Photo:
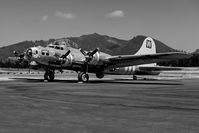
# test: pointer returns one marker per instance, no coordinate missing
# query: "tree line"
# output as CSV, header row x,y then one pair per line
x,y
191,62
13,64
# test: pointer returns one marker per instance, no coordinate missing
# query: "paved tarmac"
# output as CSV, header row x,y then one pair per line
x,y
31,105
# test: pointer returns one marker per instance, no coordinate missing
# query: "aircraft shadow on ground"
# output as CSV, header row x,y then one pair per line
x,y
111,81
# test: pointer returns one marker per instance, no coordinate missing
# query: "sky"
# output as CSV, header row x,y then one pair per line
x,y
174,22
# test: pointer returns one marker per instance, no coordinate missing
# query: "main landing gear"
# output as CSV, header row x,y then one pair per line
x,y
83,77
49,75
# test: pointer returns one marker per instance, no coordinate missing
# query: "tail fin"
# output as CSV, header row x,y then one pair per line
x,y
148,47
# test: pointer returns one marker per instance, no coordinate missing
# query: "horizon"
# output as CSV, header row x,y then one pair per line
x,y
175,22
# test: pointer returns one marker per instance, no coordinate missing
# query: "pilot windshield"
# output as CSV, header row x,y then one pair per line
x,y
61,43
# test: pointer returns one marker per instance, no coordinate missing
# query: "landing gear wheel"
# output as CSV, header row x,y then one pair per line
x,y
49,75
84,77
46,76
134,77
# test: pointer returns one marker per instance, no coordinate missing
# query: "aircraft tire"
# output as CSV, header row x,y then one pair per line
x,y
84,77
49,75
46,76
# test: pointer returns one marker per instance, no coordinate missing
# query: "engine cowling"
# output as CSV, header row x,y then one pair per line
x,y
68,60
95,59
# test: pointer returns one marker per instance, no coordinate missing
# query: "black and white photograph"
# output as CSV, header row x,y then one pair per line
x,y
99,66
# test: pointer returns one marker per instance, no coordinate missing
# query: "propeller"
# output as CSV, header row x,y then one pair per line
x,y
20,56
93,52
15,53
89,55
63,57
66,54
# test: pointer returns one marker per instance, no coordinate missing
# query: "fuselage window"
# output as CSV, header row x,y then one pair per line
x,y
57,47
62,48
51,46
36,52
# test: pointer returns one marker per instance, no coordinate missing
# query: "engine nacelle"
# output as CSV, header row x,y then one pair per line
x,y
68,61
95,59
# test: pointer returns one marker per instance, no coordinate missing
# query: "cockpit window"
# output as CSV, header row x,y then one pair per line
x,y
47,54
36,52
42,53
56,43
63,42
62,48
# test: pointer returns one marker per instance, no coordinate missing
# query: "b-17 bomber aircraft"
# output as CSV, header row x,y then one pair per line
x,y
65,54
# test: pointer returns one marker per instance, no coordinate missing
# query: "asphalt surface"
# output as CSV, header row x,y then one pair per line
x,y
31,105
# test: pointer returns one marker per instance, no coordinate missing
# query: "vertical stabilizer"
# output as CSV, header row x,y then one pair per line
x,y
148,47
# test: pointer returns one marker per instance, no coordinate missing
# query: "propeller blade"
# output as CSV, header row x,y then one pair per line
x,y
83,52
66,54
93,52
15,53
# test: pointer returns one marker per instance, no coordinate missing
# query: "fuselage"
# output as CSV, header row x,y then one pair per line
x,y
50,56
65,54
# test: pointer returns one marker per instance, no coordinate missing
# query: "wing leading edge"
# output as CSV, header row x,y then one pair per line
x,y
131,60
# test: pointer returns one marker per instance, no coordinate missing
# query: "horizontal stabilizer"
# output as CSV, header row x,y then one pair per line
x,y
131,60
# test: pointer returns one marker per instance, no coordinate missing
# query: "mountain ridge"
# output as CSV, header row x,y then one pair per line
x,y
107,44
196,52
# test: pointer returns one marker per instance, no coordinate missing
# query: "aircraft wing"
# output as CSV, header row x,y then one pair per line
x,y
131,60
